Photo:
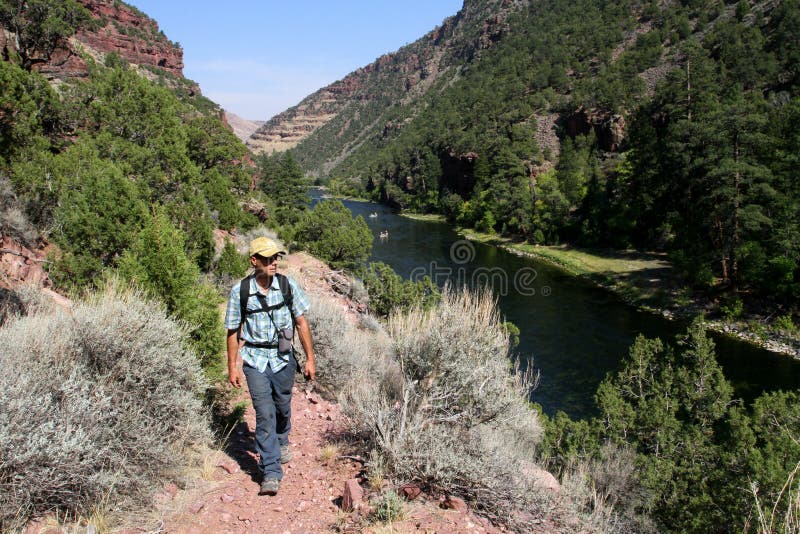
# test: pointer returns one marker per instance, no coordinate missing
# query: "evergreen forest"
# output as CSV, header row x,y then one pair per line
x,y
673,133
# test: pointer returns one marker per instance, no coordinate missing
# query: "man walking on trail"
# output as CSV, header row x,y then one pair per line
x,y
262,310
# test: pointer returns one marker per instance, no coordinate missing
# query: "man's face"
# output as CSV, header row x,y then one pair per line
x,y
262,265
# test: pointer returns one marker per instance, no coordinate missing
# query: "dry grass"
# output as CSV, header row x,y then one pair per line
x,y
376,473
329,452
90,413
604,493
343,350
771,520
13,222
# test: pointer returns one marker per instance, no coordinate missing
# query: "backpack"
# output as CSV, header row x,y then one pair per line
x,y
244,296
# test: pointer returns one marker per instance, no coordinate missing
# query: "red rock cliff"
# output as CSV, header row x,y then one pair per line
x,y
124,30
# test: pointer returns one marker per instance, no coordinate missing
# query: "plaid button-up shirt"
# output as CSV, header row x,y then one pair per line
x,y
259,328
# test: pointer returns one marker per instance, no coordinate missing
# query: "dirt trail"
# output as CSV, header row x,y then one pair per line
x,y
222,495
307,500
310,496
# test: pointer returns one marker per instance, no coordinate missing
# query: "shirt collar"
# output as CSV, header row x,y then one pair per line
x,y
274,285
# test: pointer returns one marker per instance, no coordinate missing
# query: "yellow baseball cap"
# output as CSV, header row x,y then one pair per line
x,y
264,246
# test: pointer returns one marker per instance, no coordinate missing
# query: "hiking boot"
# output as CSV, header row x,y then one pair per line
x,y
269,486
286,454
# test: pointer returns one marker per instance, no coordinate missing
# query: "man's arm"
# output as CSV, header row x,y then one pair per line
x,y
234,360
303,330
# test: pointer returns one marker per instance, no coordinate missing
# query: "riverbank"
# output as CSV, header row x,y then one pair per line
x,y
429,217
646,280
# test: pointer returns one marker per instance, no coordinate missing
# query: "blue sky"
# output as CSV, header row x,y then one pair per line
x,y
257,58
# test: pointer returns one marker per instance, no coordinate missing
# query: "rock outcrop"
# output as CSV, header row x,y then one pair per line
x,y
608,127
122,29
21,267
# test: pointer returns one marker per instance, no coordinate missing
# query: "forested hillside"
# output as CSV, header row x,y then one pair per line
x,y
338,117
120,168
653,125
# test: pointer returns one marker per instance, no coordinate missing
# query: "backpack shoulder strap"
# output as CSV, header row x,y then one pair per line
x,y
286,291
244,295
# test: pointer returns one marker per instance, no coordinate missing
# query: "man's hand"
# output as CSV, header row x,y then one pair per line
x,y
234,360
310,371
235,377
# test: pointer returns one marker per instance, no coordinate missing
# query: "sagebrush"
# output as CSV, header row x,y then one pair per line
x,y
97,406
344,351
450,412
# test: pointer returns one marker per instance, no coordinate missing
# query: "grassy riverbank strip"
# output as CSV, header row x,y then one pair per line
x,y
428,217
646,280
642,279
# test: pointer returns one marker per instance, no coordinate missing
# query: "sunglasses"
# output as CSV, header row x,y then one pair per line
x,y
268,260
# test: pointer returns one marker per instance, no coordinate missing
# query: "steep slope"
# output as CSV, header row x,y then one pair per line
x,y
349,107
620,124
242,128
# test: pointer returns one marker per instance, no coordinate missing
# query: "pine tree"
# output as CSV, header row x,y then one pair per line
x,y
157,262
330,232
735,182
41,26
283,182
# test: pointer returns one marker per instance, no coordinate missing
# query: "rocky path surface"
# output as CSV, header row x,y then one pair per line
x,y
309,496
311,493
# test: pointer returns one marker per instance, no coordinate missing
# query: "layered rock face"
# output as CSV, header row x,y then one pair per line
x,y
288,128
399,76
124,30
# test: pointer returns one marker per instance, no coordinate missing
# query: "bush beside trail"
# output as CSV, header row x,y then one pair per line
x,y
436,401
97,407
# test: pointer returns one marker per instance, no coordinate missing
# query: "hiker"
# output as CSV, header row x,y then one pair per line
x,y
262,309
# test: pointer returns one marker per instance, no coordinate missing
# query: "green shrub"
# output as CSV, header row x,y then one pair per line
x,y
513,332
106,407
231,263
785,323
388,507
157,262
190,214
388,291
283,182
217,189
731,307
97,215
32,105
330,232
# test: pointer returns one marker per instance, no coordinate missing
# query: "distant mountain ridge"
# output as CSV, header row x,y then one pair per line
x,y
351,104
375,102
242,128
